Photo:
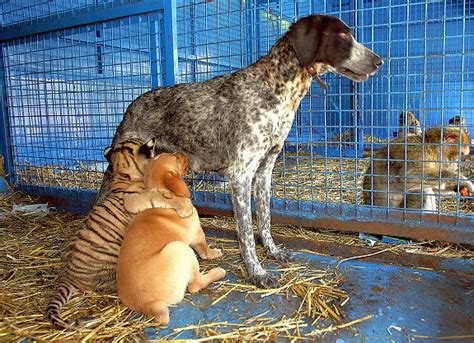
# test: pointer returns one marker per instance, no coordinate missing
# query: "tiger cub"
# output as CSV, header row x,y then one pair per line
x,y
92,255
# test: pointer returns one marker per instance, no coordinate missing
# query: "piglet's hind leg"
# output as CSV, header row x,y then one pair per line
x,y
201,281
159,310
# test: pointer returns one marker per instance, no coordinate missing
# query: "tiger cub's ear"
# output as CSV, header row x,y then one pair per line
x,y
148,149
108,153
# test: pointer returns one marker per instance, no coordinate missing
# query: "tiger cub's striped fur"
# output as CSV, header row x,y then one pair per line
x,y
92,256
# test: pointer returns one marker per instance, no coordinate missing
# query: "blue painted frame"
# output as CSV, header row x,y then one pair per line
x,y
89,15
170,43
5,146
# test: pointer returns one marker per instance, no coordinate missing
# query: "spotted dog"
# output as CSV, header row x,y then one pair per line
x,y
236,124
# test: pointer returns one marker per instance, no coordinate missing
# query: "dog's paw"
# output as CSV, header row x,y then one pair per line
x,y
282,254
264,281
220,272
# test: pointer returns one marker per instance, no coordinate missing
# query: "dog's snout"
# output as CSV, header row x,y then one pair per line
x,y
378,62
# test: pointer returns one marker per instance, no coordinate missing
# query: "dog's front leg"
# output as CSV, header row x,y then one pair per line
x,y
262,193
240,187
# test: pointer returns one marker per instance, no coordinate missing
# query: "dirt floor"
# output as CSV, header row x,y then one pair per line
x,y
30,259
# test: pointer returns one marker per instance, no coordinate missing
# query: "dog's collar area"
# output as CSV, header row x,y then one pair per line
x,y
314,74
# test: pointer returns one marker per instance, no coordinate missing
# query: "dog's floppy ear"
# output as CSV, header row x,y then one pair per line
x,y
175,184
305,37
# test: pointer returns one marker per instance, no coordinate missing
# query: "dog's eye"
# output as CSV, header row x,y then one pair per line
x,y
344,35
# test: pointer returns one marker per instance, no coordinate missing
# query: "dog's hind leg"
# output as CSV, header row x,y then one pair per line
x,y
262,193
200,246
240,185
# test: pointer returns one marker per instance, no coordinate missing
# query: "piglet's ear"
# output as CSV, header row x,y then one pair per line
x,y
176,185
305,37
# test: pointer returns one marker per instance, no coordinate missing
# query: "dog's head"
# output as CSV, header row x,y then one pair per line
x,y
165,171
328,41
452,140
409,123
457,121
177,163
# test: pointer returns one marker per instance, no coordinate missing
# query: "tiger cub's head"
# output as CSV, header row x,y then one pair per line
x,y
129,159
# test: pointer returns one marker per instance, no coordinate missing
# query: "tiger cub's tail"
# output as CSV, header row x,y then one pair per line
x,y
53,312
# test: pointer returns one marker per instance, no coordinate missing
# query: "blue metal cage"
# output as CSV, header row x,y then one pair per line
x,y
70,68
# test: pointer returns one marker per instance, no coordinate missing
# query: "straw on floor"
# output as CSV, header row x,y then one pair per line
x,y
30,258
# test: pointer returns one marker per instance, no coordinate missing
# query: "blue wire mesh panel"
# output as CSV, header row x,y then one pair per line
x,y
17,11
67,92
428,47
210,39
425,46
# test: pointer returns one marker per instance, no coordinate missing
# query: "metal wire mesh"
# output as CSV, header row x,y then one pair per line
x,y
14,12
67,90
326,154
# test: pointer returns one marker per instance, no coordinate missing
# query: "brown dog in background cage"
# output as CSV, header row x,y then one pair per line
x,y
156,263
410,172
409,125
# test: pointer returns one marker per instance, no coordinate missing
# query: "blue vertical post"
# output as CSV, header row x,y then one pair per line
x,y
153,52
170,43
359,132
249,25
194,60
5,142
358,120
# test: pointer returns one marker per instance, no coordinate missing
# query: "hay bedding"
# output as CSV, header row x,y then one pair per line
x,y
59,176
334,181
441,249
30,259
295,177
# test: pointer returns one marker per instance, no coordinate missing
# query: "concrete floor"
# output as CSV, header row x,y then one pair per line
x,y
405,302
